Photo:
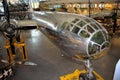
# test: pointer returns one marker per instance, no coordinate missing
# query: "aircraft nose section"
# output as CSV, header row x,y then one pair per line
x,y
99,44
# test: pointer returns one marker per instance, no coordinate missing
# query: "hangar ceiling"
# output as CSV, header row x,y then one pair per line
x,y
79,1
69,1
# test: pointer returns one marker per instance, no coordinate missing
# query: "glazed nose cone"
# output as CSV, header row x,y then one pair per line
x,y
99,44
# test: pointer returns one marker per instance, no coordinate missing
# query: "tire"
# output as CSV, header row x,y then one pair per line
x,y
83,77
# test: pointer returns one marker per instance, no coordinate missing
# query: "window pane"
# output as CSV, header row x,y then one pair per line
x,y
69,27
93,48
106,36
81,23
89,29
84,34
87,20
64,25
93,25
98,25
105,45
98,38
74,21
75,30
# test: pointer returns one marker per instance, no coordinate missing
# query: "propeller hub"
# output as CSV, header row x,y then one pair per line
x,y
9,29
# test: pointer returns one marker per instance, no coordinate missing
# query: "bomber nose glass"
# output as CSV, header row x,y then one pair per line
x,y
99,42
95,35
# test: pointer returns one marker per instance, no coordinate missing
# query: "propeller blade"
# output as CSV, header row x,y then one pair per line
x,y
26,28
6,10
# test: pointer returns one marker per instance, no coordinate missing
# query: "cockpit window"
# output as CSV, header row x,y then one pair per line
x,y
105,45
69,27
87,20
106,35
75,29
93,48
81,23
98,25
65,24
94,26
98,38
84,34
74,21
89,29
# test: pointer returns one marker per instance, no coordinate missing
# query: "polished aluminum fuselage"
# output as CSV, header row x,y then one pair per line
x,y
74,45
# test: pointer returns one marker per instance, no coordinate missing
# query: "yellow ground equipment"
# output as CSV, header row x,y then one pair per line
x,y
76,75
19,46
87,74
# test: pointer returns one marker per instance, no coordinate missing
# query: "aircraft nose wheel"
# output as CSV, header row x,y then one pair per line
x,y
84,76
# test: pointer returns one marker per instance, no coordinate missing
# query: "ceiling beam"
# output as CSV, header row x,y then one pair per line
x,y
77,1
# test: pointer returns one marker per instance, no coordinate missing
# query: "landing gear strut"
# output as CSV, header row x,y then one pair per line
x,y
89,75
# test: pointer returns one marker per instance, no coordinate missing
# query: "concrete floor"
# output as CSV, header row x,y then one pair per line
x,y
51,65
